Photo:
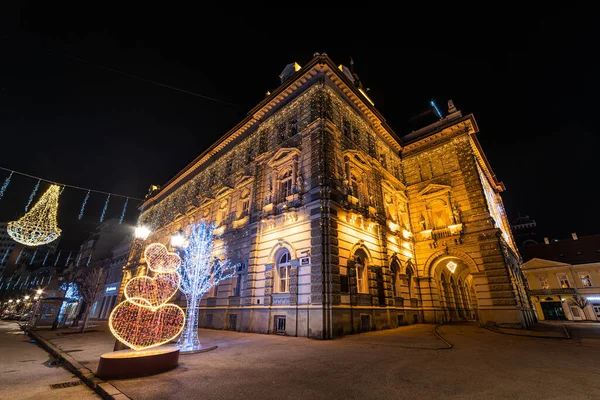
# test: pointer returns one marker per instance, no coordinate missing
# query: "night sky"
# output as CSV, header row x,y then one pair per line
x,y
530,80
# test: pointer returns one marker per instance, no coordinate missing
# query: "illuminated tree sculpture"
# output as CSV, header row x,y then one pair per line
x,y
38,226
204,266
144,319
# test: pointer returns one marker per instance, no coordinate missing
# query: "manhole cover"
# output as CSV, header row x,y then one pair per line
x,y
63,385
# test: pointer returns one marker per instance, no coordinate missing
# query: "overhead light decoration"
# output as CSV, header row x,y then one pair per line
x,y
451,266
145,319
201,270
38,226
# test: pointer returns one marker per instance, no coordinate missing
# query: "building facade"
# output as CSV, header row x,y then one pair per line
x,y
336,225
564,278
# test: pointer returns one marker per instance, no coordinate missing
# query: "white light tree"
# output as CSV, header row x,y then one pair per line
x,y
203,266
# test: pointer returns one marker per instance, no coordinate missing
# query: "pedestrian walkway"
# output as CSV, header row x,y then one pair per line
x,y
27,372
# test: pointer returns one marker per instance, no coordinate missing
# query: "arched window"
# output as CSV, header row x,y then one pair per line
x,y
395,270
285,185
283,272
409,279
361,273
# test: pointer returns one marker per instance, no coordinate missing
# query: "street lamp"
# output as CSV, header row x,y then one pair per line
x,y
10,301
141,232
26,298
177,240
39,292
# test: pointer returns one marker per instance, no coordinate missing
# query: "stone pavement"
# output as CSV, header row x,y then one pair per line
x,y
27,371
409,362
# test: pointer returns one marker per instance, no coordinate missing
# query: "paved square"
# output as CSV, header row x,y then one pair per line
x,y
405,363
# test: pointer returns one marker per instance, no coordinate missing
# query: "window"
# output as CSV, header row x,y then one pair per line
x,y
285,186
293,126
361,272
344,287
355,185
409,274
283,273
279,324
245,207
346,129
394,268
238,285
563,281
544,282
586,280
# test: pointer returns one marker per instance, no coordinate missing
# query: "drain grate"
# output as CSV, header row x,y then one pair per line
x,y
63,385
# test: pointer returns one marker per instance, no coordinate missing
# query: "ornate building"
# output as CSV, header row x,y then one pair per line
x,y
337,225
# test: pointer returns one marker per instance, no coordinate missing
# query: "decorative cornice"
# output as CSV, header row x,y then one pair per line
x,y
319,64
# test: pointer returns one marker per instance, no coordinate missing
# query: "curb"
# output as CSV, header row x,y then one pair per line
x,y
531,336
435,332
104,389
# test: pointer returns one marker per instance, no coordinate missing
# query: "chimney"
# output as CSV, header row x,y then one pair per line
x,y
546,240
574,235
288,71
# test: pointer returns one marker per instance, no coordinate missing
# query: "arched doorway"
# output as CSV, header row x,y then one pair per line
x,y
456,293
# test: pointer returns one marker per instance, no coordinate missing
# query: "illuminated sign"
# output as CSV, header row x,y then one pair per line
x,y
110,289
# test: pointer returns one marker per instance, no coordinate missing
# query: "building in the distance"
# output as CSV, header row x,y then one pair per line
x,y
337,225
524,231
564,278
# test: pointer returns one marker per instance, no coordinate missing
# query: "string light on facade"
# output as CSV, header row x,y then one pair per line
x,y
38,226
85,200
104,209
203,267
145,319
451,265
5,185
46,257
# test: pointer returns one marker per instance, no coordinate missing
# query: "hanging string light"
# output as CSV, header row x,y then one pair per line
x,y
38,226
68,258
19,256
5,255
57,257
89,259
123,212
85,199
45,258
32,195
105,207
5,185
33,257
78,259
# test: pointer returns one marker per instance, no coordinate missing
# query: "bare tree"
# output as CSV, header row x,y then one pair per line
x,y
581,302
90,285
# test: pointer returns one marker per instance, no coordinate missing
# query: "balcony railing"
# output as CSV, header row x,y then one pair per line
x,y
546,292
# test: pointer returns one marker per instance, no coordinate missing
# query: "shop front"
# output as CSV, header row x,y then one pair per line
x,y
107,301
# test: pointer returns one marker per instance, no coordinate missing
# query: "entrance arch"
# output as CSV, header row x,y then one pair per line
x,y
453,275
